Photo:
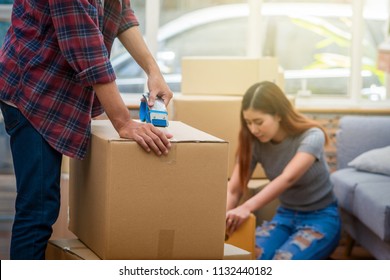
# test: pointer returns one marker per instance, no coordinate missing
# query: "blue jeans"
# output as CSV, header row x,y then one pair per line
x,y
38,172
300,235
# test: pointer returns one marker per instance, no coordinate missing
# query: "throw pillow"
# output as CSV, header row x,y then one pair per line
x,y
375,161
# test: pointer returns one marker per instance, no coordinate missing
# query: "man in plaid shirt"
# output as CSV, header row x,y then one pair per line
x,y
55,75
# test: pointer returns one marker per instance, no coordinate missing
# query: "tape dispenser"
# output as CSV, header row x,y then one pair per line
x,y
156,115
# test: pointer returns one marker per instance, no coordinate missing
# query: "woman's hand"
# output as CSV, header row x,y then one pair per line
x,y
235,217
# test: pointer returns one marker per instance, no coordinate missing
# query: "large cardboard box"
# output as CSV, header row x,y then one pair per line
x,y
226,75
214,114
74,249
128,204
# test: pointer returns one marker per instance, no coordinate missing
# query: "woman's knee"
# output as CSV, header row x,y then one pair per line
x,y
307,243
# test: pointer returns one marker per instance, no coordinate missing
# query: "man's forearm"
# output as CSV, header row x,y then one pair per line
x,y
134,43
112,102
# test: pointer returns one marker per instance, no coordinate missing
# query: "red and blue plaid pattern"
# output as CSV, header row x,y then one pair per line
x,y
53,53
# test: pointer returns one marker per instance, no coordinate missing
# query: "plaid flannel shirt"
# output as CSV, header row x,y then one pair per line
x,y
53,53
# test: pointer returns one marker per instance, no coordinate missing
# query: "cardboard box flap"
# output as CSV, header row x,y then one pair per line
x,y
232,252
181,132
73,248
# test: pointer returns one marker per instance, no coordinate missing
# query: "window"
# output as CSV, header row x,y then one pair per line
x,y
311,39
375,20
5,17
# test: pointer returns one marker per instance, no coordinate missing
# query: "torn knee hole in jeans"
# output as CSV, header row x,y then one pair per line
x,y
305,237
264,229
283,255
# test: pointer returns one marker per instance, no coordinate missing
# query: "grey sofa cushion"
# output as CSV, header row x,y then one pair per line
x,y
375,161
359,134
345,182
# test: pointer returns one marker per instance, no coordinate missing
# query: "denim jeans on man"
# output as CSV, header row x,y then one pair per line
x,y
37,169
300,235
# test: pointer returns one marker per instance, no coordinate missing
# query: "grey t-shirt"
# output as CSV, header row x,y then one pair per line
x,y
313,190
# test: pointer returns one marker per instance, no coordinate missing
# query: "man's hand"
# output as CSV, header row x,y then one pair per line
x,y
158,87
147,136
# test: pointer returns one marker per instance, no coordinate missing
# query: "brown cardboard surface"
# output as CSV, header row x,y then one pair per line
x,y
226,75
65,165
214,114
74,249
128,204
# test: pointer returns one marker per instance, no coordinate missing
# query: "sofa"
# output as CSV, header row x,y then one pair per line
x,y
362,181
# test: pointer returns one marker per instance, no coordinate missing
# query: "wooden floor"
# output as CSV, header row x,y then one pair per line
x,y
7,200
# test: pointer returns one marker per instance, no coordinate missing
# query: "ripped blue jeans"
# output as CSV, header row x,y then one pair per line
x,y
299,235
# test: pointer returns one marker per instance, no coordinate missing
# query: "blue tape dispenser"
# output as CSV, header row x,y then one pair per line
x,y
156,115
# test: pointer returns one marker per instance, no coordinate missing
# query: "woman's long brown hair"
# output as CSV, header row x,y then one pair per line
x,y
269,99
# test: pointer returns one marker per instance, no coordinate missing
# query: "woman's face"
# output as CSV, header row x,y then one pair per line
x,y
264,127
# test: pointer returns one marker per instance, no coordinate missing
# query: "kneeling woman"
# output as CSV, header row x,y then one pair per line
x,y
290,148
